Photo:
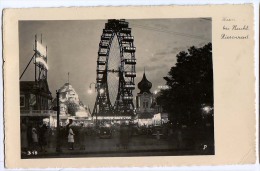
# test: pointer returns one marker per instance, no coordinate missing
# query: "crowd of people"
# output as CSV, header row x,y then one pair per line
x,y
71,133
37,136
34,137
77,134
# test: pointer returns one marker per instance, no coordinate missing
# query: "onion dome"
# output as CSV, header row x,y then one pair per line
x,y
144,85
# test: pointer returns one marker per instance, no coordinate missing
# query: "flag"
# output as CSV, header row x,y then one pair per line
x,y
68,77
41,61
41,50
32,100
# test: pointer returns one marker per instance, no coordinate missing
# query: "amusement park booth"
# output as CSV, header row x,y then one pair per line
x,y
35,98
160,118
145,119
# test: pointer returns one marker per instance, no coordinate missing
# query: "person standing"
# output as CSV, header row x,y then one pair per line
x,y
24,138
179,138
124,136
34,139
66,130
71,138
69,124
43,137
29,136
50,135
82,135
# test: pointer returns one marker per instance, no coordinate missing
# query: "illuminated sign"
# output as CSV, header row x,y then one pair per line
x,y
32,100
41,55
42,62
41,49
114,117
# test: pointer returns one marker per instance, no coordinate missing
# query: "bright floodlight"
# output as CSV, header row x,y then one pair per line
x,y
101,91
207,109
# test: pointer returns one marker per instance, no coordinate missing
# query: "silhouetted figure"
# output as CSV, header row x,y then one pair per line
x,y
124,136
179,138
24,138
68,125
29,136
71,139
66,130
34,139
43,137
82,135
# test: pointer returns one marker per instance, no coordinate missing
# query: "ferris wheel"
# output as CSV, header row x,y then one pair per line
x,y
115,70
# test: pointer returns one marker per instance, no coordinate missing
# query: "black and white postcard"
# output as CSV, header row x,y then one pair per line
x,y
142,86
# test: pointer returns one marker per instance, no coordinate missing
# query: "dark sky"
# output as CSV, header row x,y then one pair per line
x,y
73,47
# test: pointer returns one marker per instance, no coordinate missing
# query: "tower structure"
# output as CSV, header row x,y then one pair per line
x,y
144,98
35,95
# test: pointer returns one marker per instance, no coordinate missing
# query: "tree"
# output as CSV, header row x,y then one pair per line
x,y
190,84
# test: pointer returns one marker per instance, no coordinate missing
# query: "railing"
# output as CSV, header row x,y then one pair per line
x,y
127,98
130,74
130,61
113,117
107,31
126,30
38,112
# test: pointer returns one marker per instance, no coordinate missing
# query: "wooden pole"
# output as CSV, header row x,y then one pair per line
x,y
69,77
35,66
58,149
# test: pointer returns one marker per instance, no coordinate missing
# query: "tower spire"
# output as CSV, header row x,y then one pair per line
x,y
144,85
41,37
69,77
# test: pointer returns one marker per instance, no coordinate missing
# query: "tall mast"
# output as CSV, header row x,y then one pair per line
x,y
47,63
69,77
35,79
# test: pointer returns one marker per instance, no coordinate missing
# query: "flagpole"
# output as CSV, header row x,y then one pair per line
x,y
58,136
69,77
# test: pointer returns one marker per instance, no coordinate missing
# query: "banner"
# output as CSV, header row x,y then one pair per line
x,y
41,49
41,61
32,100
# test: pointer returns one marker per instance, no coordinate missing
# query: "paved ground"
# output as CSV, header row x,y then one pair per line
x,y
140,145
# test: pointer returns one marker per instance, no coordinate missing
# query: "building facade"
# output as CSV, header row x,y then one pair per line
x,y
147,110
35,96
144,102
35,102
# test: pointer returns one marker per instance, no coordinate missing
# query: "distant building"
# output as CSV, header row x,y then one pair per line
x,y
144,98
147,110
70,106
145,103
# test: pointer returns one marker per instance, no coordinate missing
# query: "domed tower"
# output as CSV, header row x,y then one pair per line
x,y
144,98
144,85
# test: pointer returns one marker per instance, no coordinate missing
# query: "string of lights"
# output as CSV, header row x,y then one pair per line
x,y
170,32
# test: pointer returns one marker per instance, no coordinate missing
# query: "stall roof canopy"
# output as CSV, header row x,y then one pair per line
x,y
41,87
26,85
145,115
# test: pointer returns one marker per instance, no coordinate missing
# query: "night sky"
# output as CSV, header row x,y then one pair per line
x,y
73,47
